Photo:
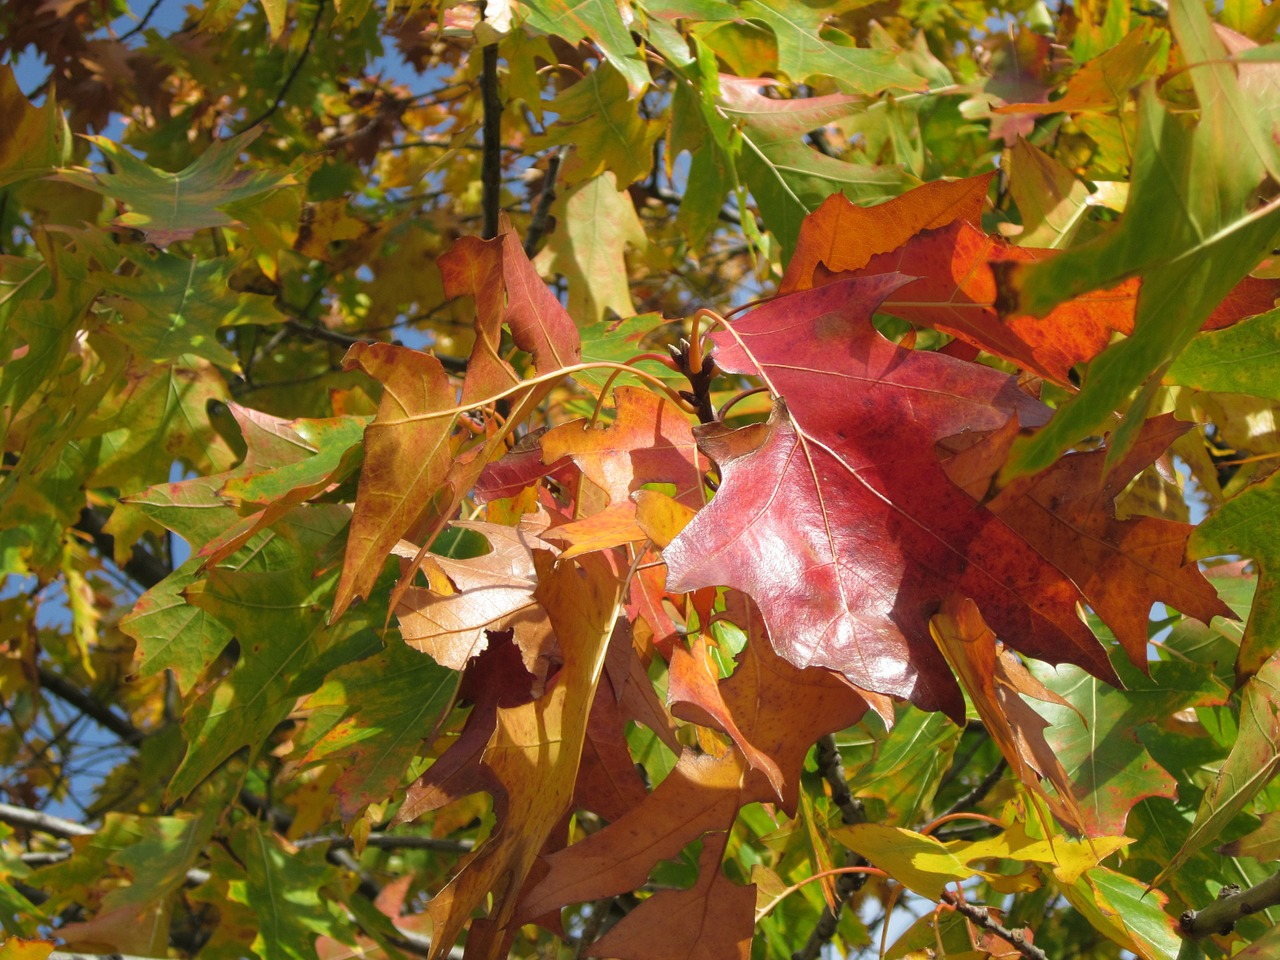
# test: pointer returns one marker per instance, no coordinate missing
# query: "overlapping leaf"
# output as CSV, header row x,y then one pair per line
x,y
837,518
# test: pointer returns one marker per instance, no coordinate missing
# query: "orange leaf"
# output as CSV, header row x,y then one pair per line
x,y
993,680
712,920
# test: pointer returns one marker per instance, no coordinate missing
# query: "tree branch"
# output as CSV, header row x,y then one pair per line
x,y
975,795
491,159
42,822
847,884
293,74
143,567
1220,916
982,917
542,212
100,713
452,364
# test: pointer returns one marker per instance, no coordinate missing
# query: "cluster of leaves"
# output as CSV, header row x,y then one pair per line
x,y
400,551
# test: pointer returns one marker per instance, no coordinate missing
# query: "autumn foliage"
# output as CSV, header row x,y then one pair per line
x,y
640,480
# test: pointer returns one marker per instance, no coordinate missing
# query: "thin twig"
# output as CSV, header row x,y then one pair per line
x,y
974,796
100,713
491,159
142,24
389,841
982,917
542,212
293,74
452,364
832,769
1220,916
143,567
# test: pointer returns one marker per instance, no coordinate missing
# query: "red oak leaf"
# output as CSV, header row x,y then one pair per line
x,y
837,518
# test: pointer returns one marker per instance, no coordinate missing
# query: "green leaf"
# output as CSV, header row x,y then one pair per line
x,y
601,22
595,224
378,712
807,48
1191,230
1252,763
605,129
168,207
1124,910
788,178
172,634
1246,525
283,889
907,763
1095,737
174,306
275,607
1239,359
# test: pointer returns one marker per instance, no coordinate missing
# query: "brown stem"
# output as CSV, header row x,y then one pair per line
x,y
982,917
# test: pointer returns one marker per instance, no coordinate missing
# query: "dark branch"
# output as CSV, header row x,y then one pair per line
x,y
283,92
143,567
974,796
452,364
982,917
542,212
1220,916
491,160
847,884
142,24
100,713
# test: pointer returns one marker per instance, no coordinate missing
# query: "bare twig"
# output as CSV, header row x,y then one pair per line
x,y
283,92
143,567
42,822
542,212
452,364
142,24
100,713
1220,916
851,812
389,841
975,795
491,160
982,917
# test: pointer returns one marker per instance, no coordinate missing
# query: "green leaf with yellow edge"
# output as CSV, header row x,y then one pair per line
x,y
1123,909
168,207
808,47
36,139
283,889
920,863
174,306
907,762
378,711
1238,359
601,22
1246,526
275,606
156,415
617,341
605,129
1253,762
595,224
1191,229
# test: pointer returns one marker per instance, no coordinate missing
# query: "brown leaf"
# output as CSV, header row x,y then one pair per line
x,y
712,920
534,755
